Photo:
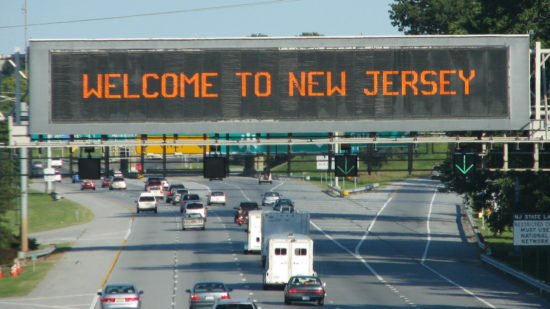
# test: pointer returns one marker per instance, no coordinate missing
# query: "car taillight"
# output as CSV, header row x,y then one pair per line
x,y
128,299
319,292
194,297
107,300
226,296
291,291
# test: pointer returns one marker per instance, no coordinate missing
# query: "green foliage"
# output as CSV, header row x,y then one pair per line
x,y
258,35
473,17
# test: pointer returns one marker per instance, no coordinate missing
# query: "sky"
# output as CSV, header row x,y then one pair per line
x,y
113,19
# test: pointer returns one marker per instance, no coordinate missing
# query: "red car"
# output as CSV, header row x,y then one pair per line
x,y
87,184
106,182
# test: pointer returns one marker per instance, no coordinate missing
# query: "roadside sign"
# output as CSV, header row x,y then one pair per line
x,y
532,229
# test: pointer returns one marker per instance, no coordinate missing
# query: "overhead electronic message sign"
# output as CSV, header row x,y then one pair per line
x,y
280,85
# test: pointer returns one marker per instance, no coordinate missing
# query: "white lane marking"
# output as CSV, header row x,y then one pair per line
x,y
361,259
424,257
94,301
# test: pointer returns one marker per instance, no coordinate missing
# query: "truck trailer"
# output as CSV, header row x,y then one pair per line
x,y
287,255
254,239
274,222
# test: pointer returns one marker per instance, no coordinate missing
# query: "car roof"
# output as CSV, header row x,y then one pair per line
x,y
234,301
146,194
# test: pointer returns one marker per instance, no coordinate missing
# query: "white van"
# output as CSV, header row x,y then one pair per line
x,y
254,243
288,255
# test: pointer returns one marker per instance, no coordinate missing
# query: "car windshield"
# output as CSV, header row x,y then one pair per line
x,y
181,191
271,194
235,306
209,287
305,281
195,206
118,179
146,198
217,193
192,197
120,289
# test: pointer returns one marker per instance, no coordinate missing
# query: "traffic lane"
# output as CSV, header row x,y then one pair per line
x,y
149,256
212,254
466,269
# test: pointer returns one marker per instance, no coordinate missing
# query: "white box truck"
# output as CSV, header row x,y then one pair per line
x,y
274,222
254,239
288,255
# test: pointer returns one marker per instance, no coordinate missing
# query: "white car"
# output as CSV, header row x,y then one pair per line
x,y
146,202
216,197
56,162
157,191
118,183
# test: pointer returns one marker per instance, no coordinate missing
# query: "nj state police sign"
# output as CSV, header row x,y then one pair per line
x,y
279,85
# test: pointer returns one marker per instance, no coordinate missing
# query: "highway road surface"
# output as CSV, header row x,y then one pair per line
x,y
403,246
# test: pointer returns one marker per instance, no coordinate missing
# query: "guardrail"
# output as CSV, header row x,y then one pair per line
x,y
542,286
342,193
49,249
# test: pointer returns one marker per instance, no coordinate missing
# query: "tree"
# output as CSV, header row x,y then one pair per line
x,y
473,17
506,193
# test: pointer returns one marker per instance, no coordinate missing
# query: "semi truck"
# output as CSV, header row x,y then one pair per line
x,y
287,255
274,222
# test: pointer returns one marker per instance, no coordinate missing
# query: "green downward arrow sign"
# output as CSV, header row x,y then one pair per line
x,y
464,169
346,171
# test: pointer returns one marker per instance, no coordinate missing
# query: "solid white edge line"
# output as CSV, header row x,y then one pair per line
x,y
424,257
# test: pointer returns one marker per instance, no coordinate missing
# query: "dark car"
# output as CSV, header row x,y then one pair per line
x,y
305,289
283,202
244,208
205,293
172,190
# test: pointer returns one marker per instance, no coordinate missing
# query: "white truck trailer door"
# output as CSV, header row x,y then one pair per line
x,y
301,257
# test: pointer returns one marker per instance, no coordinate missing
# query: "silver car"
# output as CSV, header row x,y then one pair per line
x,y
120,295
193,221
235,303
205,293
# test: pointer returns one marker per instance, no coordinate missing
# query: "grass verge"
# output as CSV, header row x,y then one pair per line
x,y
46,214
29,278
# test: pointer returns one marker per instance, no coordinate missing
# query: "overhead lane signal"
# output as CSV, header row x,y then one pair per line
x,y
345,165
464,163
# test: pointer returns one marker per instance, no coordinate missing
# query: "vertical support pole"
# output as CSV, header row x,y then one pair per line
x,y
17,89
24,199
164,155
288,150
536,156
505,157
107,160
227,169
49,165
410,159
537,82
